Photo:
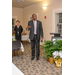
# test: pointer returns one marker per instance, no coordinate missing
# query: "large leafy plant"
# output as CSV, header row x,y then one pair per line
x,y
51,46
57,46
47,48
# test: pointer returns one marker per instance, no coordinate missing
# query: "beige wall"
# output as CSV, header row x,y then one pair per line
x,y
37,8
18,12
22,15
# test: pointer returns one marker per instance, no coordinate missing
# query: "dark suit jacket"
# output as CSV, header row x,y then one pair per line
x,y
39,30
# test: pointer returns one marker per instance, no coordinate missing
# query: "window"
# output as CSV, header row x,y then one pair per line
x,y
60,17
59,25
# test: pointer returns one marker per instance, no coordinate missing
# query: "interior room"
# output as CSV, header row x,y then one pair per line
x,y
49,12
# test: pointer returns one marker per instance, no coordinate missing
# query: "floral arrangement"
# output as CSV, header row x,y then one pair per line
x,y
56,53
58,63
13,33
57,58
23,33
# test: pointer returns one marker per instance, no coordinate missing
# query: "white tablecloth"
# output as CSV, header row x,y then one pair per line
x,y
24,38
15,70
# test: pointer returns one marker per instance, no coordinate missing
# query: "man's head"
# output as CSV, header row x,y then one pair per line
x,y
18,22
34,17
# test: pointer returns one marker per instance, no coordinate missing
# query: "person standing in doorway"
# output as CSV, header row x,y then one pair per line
x,y
18,30
35,27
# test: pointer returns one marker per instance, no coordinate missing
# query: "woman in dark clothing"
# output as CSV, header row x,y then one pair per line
x,y
18,30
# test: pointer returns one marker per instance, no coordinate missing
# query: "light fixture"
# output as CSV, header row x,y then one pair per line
x,y
44,7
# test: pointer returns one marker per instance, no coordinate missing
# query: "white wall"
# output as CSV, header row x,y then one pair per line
x,y
18,13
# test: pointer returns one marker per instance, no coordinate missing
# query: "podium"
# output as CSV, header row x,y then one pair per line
x,y
56,36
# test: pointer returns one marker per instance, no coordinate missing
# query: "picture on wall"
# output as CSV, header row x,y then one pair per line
x,y
30,16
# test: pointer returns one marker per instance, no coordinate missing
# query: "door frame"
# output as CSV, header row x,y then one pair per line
x,y
53,18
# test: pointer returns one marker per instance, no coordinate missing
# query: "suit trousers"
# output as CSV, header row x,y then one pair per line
x,y
33,43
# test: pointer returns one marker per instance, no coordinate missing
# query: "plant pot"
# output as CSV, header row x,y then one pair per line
x,y
58,63
51,60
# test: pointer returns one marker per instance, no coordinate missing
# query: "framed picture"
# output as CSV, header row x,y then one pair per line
x,y
30,16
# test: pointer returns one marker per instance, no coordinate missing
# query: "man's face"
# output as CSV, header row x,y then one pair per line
x,y
17,23
34,17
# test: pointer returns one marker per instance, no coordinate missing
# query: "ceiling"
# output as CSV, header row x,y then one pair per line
x,y
24,4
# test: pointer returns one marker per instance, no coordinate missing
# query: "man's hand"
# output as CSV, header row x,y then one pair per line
x,y
28,27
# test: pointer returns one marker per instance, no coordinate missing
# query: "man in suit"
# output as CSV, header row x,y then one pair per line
x,y
35,27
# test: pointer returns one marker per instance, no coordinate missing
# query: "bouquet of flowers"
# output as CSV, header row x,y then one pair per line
x,y
57,58
56,53
23,33
13,33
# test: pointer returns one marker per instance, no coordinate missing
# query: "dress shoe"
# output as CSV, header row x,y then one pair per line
x,y
32,58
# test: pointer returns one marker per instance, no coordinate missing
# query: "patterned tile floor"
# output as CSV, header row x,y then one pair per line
x,y
35,67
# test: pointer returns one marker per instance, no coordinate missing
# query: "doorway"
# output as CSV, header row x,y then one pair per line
x,y
57,15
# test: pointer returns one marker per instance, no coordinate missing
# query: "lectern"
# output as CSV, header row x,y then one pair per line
x,y
56,36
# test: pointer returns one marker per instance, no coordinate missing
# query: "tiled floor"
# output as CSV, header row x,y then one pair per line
x,y
40,67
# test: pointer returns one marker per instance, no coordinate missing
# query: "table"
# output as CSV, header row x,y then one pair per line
x,y
24,38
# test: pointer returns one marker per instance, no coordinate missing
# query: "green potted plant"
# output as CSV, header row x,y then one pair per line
x,y
50,47
48,51
58,54
57,45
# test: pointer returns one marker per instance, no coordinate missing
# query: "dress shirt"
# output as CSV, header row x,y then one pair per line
x,y
35,26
